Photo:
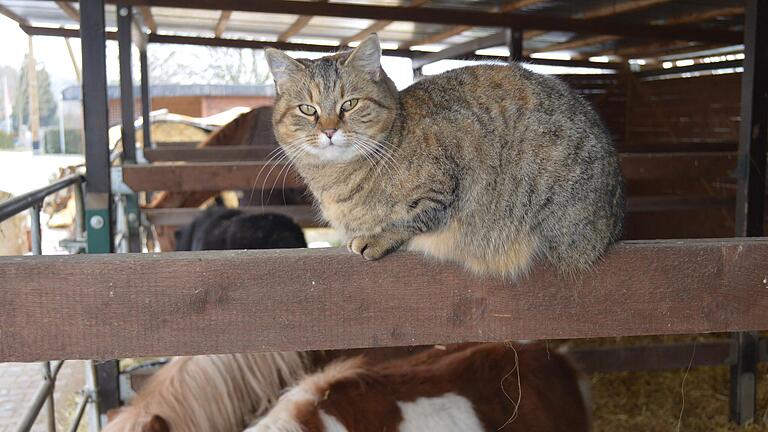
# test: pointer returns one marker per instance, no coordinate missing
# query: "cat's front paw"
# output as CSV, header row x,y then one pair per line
x,y
372,247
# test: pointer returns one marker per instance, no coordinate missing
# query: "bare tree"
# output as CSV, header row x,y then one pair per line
x,y
171,64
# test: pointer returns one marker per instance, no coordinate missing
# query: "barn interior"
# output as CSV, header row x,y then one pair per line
x,y
668,327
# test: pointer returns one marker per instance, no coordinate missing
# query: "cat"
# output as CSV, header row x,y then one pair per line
x,y
222,228
489,166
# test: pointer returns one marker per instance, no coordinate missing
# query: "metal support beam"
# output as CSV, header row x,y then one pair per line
x,y
124,19
515,44
456,17
146,102
98,198
750,193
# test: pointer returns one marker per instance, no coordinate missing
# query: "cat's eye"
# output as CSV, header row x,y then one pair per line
x,y
307,110
348,105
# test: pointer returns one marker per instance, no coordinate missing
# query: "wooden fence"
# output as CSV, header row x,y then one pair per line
x,y
127,305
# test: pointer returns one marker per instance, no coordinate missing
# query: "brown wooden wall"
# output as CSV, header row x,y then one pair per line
x,y
682,114
697,114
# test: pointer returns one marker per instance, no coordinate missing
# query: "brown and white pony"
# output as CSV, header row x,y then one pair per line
x,y
223,393
210,393
470,388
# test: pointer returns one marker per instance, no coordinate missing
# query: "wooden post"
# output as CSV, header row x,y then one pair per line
x,y
753,144
34,108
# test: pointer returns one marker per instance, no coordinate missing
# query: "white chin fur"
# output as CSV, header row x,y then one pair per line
x,y
339,149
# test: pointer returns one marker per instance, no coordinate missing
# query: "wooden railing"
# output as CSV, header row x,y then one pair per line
x,y
113,306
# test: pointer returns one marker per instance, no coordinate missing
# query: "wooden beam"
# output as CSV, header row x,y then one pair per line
x,y
653,357
453,31
303,215
60,32
149,19
133,305
645,166
209,176
376,26
605,11
296,27
602,11
69,10
458,50
690,18
221,24
75,66
14,16
579,42
456,17
245,43
210,154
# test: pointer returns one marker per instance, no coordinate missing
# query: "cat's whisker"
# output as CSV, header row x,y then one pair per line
x,y
387,161
273,165
276,157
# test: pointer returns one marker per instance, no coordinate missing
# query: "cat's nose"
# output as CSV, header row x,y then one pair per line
x,y
329,132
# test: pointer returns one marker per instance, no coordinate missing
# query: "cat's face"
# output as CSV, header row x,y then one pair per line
x,y
334,109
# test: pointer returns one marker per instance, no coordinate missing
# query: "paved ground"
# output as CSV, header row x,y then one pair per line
x,y
18,383
21,172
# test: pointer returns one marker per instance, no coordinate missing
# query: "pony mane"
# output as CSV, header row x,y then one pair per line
x,y
216,393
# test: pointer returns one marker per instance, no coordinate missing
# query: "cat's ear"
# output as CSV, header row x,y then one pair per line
x,y
282,66
367,57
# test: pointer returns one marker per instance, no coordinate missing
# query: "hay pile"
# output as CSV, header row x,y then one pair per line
x,y
651,401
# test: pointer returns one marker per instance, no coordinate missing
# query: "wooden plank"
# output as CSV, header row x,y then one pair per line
x,y
221,24
131,305
201,176
647,204
653,357
149,19
305,215
209,176
301,214
14,16
453,31
70,10
638,166
210,154
254,44
457,17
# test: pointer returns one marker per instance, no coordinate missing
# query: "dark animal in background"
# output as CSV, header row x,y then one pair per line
x,y
221,228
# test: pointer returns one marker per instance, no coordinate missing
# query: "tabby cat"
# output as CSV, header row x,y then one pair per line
x,y
489,166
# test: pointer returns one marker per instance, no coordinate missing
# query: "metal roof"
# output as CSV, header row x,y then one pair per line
x,y
332,31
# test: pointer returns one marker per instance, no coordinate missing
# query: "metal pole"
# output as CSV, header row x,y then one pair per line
x,y
94,423
79,411
79,211
41,395
62,135
37,249
37,243
98,199
50,409
124,18
750,192
34,109
124,40
515,44
146,102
